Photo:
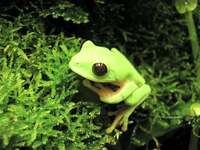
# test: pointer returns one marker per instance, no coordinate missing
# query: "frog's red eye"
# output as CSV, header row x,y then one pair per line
x,y
99,69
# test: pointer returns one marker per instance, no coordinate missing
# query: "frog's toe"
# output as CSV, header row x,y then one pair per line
x,y
109,130
113,126
124,124
124,128
121,119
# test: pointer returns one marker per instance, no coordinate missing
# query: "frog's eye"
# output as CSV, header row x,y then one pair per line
x,y
99,69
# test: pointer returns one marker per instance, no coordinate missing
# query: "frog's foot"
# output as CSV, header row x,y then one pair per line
x,y
121,119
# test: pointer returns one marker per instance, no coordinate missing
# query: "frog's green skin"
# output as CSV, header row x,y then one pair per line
x,y
120,72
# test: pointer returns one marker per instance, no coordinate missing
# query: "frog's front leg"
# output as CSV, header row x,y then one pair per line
x,y
135,99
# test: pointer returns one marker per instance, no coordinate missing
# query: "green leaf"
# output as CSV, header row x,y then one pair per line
x,y
184,6
66,10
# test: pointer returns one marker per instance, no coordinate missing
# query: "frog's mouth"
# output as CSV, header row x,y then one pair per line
x,y
104,89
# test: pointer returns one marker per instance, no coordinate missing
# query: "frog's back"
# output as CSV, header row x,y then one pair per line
x,y
128,67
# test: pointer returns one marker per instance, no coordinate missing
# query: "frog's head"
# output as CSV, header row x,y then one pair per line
x,y
101,66
98,64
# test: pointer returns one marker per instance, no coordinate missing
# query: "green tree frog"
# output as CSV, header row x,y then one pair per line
x,y
109,74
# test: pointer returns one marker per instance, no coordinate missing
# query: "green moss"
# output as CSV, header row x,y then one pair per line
x,y
37,109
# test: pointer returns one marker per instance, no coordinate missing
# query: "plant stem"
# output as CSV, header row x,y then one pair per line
x,y
194,44
192,34
193,145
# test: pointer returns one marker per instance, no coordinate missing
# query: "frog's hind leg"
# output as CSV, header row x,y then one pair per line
x,y
121,118
138,96
118,116
133,101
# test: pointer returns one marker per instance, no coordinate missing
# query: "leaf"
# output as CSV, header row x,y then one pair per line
x,y
68,11
184,6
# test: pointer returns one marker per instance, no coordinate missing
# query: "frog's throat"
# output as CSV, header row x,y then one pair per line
x,y
112,92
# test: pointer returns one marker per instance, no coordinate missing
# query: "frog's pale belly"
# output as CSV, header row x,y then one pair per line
x,y
108,95
111,93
